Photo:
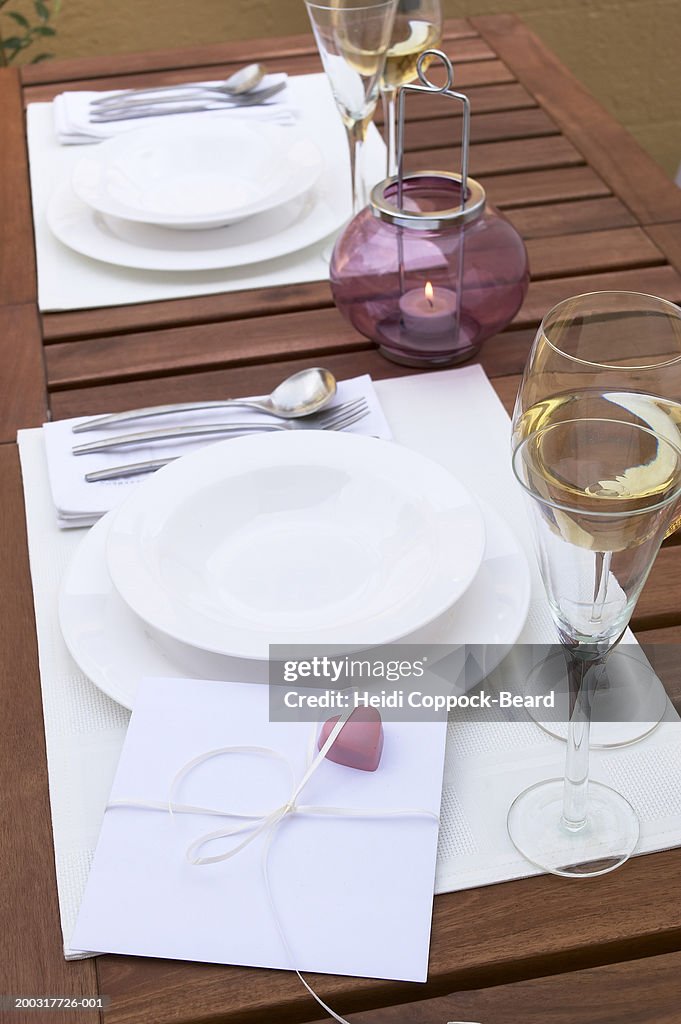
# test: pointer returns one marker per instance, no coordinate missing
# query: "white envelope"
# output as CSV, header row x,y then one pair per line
x,y
352,895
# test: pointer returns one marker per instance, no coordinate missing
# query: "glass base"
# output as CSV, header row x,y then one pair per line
x,y
629,702
431,361
607,839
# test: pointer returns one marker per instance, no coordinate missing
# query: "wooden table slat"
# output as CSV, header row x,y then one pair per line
x,y
532,187
498,126
496,158
24,402
572,217
601,995
18,281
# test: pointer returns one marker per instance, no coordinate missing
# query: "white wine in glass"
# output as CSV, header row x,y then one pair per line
x,y
601,493
611,356
417,27
615,355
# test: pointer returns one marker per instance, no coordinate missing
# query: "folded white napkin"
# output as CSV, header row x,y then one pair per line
x,y
79,503
73,125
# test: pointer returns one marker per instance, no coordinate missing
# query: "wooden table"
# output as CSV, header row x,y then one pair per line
x,y
596,213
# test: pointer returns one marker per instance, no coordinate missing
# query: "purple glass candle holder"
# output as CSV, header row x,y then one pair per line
x,y
429,278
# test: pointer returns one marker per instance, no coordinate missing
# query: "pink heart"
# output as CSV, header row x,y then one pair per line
x,y
359,744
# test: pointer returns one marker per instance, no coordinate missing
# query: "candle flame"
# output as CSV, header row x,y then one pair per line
x,y
428,290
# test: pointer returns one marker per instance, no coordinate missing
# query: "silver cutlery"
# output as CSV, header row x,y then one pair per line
x,y
185,95
180,104
156,108
352,413
301,394
242,81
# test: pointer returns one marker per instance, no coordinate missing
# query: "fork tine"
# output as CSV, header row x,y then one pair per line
x,y
328,416
332,410
348,420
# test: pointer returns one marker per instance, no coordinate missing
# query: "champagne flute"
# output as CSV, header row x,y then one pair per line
x,y
610,354
602,493
352,38
417,27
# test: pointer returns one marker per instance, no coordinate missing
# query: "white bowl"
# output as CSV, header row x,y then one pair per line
x,y
301,538
116,649
197,176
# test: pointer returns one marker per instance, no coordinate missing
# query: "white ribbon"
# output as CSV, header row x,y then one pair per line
x,y
254,825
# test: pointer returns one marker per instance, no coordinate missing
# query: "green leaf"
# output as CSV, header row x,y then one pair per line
x,y
41,57
19,18
42,10
44,30
12,43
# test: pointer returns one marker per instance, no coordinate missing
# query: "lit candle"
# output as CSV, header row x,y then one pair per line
x,y
430,312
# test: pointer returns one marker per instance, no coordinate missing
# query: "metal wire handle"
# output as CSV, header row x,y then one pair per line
x,y
445,90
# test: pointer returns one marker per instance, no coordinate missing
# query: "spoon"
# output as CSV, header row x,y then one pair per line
x,y
302,394
242,81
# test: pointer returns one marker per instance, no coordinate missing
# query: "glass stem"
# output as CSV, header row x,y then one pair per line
x,y
583,673
390,122
356,142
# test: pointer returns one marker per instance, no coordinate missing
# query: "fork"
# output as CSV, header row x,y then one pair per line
x,y
130,108
338,418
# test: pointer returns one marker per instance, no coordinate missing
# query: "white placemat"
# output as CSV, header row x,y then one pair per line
x,y
67,280
456,418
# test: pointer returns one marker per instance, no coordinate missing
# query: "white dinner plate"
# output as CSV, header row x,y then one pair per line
x,y
309,537
285,229
197,175
116,649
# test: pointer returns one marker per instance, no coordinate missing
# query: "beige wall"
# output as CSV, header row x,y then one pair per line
x,y
626,52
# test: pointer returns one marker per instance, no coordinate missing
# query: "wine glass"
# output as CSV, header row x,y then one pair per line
x,y
602,493
417,27
602,351
352,38
608,354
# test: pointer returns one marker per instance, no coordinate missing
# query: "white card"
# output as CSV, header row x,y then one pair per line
x,y
352,895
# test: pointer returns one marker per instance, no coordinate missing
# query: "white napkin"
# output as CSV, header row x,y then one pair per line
x,y
79,503
73,125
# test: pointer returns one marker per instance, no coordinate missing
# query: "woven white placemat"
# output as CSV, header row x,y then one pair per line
x,y
456,418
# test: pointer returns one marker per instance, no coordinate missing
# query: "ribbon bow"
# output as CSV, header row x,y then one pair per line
x,y
254,825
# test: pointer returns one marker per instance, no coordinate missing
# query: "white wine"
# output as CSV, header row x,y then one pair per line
x,y
646,470
660,415
402,58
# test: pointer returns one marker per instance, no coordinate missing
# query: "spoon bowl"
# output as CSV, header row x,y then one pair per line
x,y
245,79
301,394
